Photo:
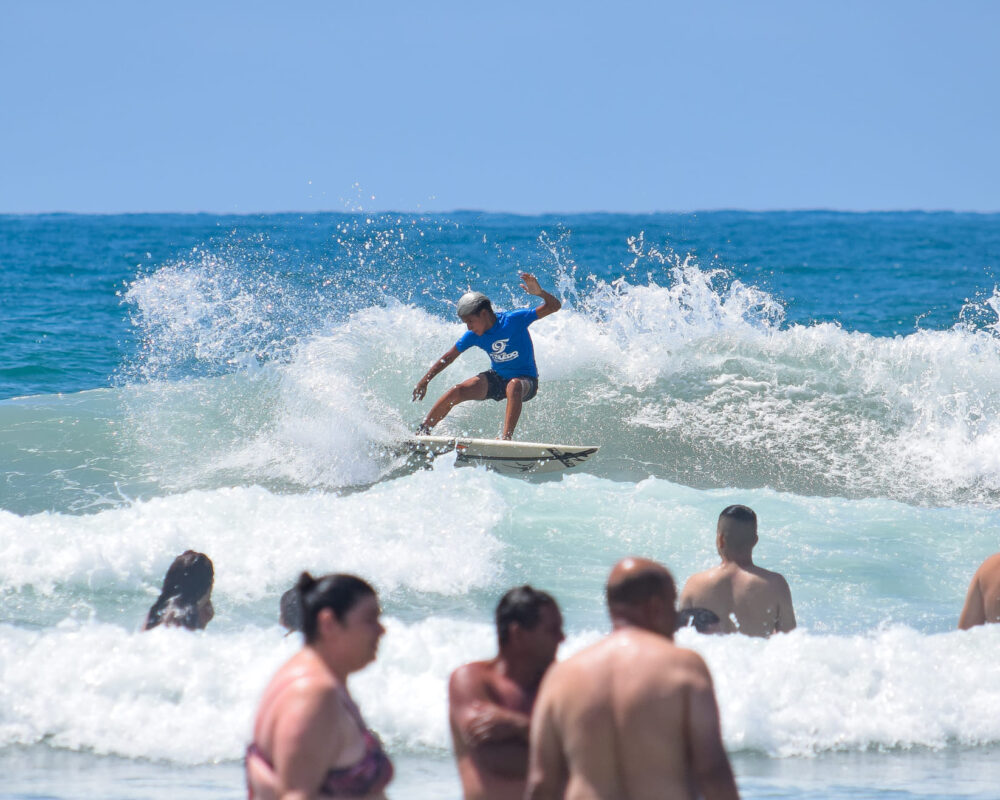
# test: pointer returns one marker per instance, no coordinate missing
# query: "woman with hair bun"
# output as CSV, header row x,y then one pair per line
x,y
309,738
185,600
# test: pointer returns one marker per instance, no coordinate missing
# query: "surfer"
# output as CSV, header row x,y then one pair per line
x,y
745,597
632,716
505,338
982,603
490,702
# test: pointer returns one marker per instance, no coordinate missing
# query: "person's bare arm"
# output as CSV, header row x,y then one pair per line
x,y
421,388
479,719
551,303
709,762
305,737
786,611
974,610
547,769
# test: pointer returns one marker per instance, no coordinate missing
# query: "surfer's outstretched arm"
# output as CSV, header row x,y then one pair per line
x,y
421,388
551,303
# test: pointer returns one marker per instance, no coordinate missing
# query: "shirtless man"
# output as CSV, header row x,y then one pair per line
x,y
490,702
746,597
505,338
632,717
982,603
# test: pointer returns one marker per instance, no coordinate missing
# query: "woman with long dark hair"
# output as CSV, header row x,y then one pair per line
x,y
186,598
309,738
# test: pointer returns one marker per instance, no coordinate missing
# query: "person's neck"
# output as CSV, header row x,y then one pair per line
x,y
522,671
331,663
741,560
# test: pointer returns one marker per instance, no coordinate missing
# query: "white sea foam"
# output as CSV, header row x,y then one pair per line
x,y
456,538
687,381
190,698
396,535
698,381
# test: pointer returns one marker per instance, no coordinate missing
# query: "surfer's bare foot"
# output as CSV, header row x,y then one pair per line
x,y
423,430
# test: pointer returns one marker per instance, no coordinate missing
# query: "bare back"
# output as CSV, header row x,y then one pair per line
x,y
982,603
630,718
747,599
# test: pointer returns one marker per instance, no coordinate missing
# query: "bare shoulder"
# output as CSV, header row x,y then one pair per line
x,y
699,582
990,566
470,680
686,668
774,579
473,672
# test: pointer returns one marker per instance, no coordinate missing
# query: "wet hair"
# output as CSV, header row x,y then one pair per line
x,y
187,581
742,536
698,618
523,605
290,610
638,588
338,591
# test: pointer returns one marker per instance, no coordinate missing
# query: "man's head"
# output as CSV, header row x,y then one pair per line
x,y
736,533
642,593
529,625
476,312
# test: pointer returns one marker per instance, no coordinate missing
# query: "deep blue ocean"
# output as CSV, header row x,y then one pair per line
x,y
239,385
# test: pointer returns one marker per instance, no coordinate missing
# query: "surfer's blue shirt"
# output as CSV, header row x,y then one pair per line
x,y
507,343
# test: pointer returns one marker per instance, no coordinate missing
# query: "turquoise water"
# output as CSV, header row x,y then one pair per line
x,y
236,385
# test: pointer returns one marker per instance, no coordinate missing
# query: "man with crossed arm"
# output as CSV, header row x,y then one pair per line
x,y
490,702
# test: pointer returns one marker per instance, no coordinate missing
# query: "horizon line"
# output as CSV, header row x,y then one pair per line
x,y
421,212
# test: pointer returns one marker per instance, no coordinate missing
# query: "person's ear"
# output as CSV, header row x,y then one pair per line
x,y
325,620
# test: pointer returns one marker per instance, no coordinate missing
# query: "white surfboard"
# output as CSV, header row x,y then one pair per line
x,y
506,456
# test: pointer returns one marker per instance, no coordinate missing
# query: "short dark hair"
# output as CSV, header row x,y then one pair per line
x,y
637,588
740,514
523,605
338,591
698,618
740,537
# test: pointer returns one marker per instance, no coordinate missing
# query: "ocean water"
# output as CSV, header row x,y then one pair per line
x,y
237,385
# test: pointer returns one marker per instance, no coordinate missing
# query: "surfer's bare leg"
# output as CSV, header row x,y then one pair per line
x,y
515,391
472,389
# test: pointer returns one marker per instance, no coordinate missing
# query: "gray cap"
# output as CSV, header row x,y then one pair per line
x,y
470,303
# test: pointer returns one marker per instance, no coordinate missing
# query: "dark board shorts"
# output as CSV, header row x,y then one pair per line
x,y
497,386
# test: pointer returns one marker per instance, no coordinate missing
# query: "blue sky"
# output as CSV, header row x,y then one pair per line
x,y
524,107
